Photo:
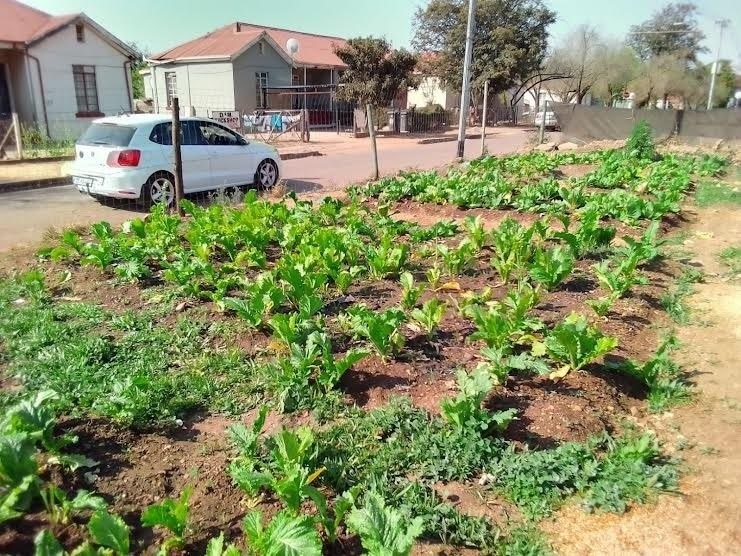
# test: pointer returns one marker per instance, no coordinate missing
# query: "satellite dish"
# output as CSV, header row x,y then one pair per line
x,y
292,46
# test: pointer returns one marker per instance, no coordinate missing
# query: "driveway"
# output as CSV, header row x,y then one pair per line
x,y
26,215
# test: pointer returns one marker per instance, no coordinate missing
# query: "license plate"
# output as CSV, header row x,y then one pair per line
x,y
82,182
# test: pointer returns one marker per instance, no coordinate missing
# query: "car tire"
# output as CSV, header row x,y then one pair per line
x,y
266,175
159,189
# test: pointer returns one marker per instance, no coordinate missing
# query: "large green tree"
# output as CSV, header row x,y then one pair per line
x,y
509,44
671,31
375,74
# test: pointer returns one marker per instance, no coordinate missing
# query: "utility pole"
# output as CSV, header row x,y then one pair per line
x,y
466,88
722,23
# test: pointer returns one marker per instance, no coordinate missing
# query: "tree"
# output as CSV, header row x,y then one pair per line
x,y
509,44
137,81
375,74
620,66
672,30
578,57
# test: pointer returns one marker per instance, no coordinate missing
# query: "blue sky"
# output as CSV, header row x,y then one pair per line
x,y
147,21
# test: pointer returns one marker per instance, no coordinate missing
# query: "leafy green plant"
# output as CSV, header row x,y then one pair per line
x,y
602,305
619,275
731,257
109,531
551,267
574,343
465,411
285,535
640,142
381,328
673,301
383,531
429,315
388,259
60,508
173,515
217,547
410,293
475,232
457,260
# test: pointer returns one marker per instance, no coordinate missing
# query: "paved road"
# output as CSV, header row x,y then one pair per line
x,y
26,215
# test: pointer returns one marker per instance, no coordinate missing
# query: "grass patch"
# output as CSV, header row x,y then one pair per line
x,y
674,301
731,257
711,193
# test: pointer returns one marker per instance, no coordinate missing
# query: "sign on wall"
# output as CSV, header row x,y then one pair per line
x,y
229,118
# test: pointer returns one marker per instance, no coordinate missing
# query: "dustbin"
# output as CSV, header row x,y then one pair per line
x,y
393,121
403,121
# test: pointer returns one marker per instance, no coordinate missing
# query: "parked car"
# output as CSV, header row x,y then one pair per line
x,y
131,157
550,119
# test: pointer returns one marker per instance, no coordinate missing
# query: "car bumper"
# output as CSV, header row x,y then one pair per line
x,y
119,185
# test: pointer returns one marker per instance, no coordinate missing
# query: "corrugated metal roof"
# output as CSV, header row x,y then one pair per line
x,y
314,50
22,23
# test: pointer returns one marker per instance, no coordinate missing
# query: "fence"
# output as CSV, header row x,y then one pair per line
x,y
593,123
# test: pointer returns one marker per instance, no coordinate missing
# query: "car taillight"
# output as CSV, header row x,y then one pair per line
x,y
129,157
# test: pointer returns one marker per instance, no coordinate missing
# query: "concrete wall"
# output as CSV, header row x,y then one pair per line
x,y
201,87
251,62
57,54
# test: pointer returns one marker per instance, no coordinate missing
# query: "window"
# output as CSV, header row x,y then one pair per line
x,y
214,134
86,91
80,31
190,133
171,86
261,82
261,47
107,134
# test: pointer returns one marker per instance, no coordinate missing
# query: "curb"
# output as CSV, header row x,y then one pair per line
x,y
303,154
449,139
34,184
12,161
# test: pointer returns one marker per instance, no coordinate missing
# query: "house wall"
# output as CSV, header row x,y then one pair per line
x,y
57,54
432,91
252,61
201,87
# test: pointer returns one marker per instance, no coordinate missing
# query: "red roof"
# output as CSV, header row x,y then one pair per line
x,y
21,23
314,50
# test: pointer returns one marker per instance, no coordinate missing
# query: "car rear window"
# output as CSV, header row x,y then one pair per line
x,y
107,134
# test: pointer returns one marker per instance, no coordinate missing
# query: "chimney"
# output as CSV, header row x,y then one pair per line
x,y
237,27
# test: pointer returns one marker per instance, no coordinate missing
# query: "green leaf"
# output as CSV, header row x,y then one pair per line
x,y
14,501
110,531
285,535
383,531
46,544
172,514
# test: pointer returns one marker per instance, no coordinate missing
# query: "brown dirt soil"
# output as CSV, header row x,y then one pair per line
x,y
706,517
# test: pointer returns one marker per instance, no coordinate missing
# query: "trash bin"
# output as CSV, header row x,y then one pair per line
x,y
403,128
393,121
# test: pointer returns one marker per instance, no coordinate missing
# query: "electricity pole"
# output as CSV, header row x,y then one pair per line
x,y
722,23
466,88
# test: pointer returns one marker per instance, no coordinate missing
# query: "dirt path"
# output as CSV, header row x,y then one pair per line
x,y
706,517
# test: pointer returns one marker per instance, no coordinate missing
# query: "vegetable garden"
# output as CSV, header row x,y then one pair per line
x,y
297,378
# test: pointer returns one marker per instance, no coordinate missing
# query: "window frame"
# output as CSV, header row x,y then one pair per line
x,y
171,92
238,139
261,103
88,93
80,32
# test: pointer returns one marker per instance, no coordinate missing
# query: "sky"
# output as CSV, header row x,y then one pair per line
x,y
147,22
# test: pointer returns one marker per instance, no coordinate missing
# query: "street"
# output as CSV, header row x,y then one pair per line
x,y
26,215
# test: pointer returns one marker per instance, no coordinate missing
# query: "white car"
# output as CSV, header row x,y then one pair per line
x,y
131,157
550,119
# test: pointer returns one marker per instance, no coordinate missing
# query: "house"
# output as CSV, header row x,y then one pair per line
x,y
431,90
57,72
247,67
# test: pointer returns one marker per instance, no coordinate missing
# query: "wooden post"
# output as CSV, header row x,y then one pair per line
x,y
372,135
178,155
483,118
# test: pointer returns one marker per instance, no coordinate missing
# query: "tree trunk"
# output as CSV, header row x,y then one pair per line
x,y
372,135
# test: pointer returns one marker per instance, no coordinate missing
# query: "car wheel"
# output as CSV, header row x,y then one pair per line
x,y
267,174
159,189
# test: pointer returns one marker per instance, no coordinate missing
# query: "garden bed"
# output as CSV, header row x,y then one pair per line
x,y
158,338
